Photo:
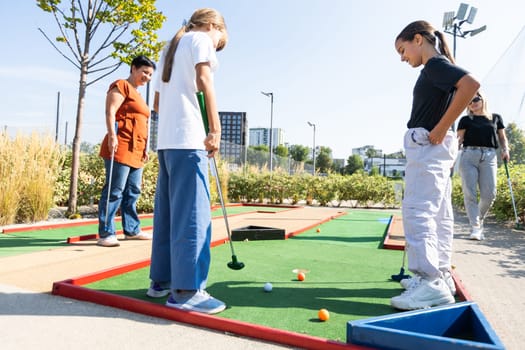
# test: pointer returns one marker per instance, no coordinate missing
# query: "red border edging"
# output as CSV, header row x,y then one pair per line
x,y
71,288
61,224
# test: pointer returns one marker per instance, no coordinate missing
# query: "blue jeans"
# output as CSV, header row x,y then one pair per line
x,y
478,167
181,253
125,191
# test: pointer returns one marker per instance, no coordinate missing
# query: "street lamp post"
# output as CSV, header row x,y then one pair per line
x,y
313,150
270,94
452,23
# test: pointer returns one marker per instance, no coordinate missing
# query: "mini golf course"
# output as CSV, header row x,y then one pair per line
x,y
347,272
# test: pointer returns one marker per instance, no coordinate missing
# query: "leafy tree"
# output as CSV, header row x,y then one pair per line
x,y
281,151
354,163
299,153
97,36
323,160
516,143
373,153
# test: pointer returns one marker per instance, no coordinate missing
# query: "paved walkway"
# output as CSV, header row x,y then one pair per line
x,y
493,272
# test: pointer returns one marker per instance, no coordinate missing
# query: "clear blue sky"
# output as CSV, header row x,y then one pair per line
x,y
330,62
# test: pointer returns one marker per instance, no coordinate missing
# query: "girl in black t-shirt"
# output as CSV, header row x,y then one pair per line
x,y
480,133
441,93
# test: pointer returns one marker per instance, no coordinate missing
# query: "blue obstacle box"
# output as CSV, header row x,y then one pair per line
x,y
455,326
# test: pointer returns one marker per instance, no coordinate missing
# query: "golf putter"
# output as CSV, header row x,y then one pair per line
x,y
234,264
401,275
109,182
517,225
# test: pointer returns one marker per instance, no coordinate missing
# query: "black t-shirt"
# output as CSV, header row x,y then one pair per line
x,y
433,92
480,131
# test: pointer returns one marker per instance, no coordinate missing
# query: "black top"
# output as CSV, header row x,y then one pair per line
x,y
433,92
480,131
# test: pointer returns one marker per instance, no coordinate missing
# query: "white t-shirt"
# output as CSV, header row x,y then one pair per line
x,y
180,122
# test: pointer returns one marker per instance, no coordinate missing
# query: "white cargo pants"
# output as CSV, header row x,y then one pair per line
x,y
428,219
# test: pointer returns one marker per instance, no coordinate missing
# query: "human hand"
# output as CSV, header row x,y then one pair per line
x,y
437,135
505,154
112,143
212,143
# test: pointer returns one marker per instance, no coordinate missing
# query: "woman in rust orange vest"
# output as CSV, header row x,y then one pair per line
x,y
127,117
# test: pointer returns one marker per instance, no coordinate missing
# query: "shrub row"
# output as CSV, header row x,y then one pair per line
x,y
35,176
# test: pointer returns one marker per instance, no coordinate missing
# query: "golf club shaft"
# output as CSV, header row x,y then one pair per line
x,y
202,106
109,182
221,199
511,192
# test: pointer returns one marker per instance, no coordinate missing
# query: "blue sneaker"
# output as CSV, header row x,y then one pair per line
x,y
198,301
158,290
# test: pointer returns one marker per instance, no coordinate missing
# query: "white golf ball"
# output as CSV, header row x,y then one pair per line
x,y
268,287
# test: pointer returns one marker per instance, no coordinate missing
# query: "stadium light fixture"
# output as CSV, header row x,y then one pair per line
x,y
452,23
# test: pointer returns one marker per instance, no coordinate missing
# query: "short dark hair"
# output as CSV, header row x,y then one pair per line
x,y
142,60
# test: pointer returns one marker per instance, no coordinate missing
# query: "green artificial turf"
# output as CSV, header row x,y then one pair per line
x,y
36,240
349,276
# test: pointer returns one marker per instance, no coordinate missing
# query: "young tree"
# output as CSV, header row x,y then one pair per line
x,y
97,36
354,163
281,151
299,153
323,161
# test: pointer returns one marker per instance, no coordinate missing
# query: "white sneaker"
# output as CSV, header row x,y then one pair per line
x,y
449,281
109,241
426,294
477,233
409,283
142,236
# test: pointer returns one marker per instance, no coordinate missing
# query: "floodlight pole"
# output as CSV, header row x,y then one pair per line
x,y
270,94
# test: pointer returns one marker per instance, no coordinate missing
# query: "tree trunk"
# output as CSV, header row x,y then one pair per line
x,y
75,161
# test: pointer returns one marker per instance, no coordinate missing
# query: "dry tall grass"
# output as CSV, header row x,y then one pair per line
x,y
28,169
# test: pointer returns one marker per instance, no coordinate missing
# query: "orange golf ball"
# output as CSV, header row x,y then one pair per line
x,y
301,276
323,315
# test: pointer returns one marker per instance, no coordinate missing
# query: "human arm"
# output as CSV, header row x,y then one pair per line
x,y
466,88
204,82
114,100
503,142
461,136
156,99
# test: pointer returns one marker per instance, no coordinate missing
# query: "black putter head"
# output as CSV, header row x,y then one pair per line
x,y
234,264
400,276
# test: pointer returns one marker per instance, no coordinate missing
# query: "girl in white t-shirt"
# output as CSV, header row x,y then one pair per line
x,y
180,257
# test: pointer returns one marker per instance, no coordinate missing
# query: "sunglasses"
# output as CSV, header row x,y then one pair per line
x,y
476,99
